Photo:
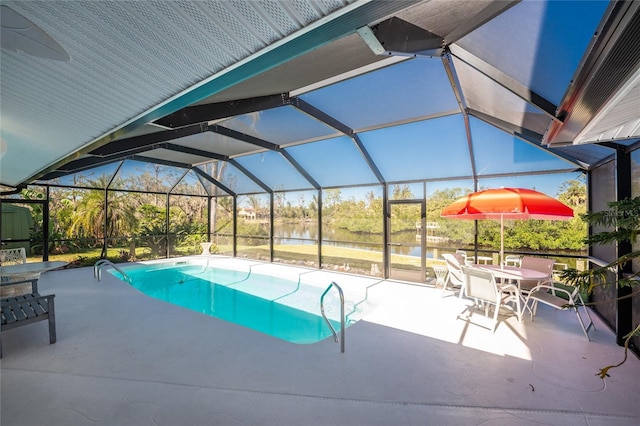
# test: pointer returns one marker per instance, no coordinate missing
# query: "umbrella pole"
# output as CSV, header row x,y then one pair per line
x,y
501,241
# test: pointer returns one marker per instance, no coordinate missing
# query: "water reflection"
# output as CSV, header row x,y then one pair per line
x,y
307,233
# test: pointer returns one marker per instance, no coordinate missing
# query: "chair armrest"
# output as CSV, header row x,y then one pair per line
x,y
508,287
548,285
552,298
29,298
33,281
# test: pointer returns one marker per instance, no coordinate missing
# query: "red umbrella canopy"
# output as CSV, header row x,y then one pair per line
x,y
507,203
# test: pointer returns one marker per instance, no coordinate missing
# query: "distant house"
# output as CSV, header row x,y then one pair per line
x,y
247,213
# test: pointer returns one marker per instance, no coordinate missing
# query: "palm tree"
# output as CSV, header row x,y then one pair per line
x,y
95,207
88,219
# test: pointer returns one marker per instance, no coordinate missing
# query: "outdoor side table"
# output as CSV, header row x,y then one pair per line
x,y
441,272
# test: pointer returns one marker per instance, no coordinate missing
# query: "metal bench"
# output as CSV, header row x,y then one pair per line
x,y
26,309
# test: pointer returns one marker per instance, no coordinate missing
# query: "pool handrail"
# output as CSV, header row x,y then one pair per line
x,y
97,269
335,335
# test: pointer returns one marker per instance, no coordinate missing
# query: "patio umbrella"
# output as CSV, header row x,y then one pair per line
x,y
507,203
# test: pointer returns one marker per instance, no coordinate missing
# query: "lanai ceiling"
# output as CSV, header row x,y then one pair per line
x,y
86,84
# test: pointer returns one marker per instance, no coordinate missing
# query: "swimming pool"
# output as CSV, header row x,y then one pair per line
x,y
279,306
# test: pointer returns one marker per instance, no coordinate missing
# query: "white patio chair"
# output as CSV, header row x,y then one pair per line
x,y
537,264
481,286
15,256
455,262
512,260
543,294
468,260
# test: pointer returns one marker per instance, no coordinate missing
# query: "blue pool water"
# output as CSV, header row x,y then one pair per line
x,y
283,308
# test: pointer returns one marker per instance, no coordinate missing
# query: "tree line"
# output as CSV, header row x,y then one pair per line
x,y
78,216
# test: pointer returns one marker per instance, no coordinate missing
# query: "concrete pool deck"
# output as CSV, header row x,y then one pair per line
x,y
123,358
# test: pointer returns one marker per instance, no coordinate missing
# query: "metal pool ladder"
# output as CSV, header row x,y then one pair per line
x,y
335,335
97,269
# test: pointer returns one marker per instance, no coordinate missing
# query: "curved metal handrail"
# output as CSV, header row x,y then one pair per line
x,y
602,263
335,335
97,269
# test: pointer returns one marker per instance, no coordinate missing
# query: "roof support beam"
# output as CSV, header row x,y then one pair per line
x,y
194,151
96,161
80,165
152,160
234,134
124,146
267,145
319,115
177,182
457,91
535,173
84,164
455,84
250,175
507,127
367,158
213,181
341,127
299,168
209,112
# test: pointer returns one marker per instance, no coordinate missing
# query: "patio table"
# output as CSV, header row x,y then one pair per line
x,y
513,273
30,268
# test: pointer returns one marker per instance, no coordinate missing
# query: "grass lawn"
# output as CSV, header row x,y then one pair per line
x,y
331,254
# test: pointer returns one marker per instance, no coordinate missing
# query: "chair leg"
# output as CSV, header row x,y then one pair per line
x,y
52,322
589,316
496,311
533,308
586,334
461,294
591,324
588,327
445,283
577,305
461,314
518,302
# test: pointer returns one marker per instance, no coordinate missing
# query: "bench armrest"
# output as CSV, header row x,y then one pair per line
x,y
33,281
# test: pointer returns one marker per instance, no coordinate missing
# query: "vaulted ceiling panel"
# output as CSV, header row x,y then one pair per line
x,y
539,44
490,98
119,80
